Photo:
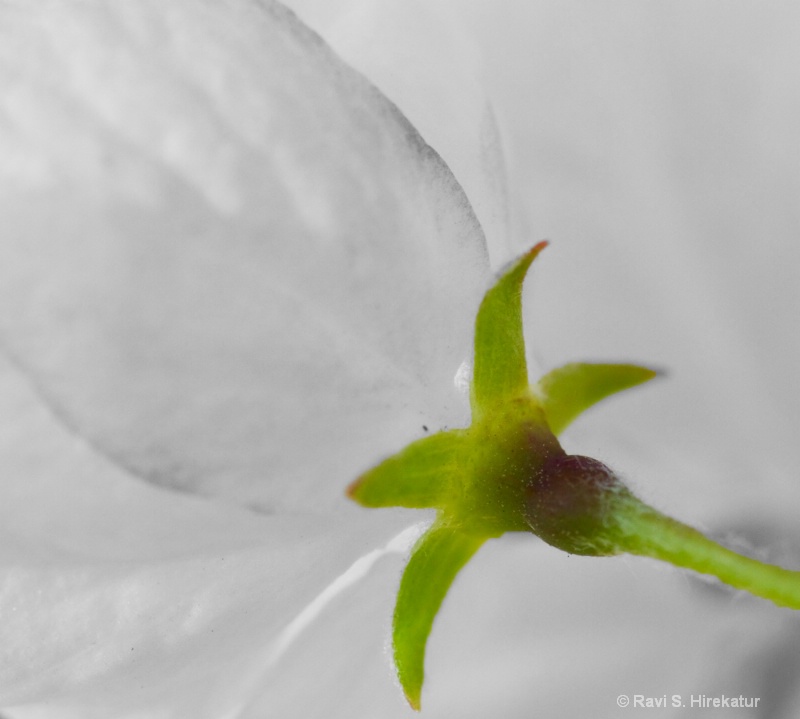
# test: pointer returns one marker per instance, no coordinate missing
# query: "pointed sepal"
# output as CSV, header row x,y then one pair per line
x,y
435,561
569,390
500,371
418,476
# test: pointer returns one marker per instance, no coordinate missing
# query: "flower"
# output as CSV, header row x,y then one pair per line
x,y
659,155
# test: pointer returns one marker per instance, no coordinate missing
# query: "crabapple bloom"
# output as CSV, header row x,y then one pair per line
x,y
139,180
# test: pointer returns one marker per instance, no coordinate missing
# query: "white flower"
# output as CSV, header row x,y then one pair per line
x,y
653,145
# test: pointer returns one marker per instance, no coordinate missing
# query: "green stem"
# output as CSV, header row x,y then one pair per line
x,y
651,534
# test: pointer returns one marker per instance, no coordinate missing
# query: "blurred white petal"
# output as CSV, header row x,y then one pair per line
x,y
419,54
230,267
110,584
298,291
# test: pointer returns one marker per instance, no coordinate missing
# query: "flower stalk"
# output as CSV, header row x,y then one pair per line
x,y
651,534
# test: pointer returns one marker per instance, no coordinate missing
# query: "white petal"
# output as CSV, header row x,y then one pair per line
x,y
240,271
427,61
229,266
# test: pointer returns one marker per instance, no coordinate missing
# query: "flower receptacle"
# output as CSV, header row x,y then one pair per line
x,y
574,503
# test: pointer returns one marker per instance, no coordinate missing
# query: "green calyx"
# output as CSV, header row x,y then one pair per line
x,y
507,472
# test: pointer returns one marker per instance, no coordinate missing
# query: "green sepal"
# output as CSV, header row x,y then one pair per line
x,y
418,476
569,390
435,561
500,371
